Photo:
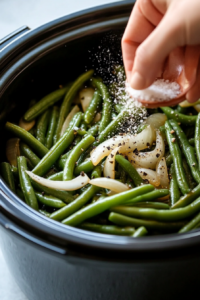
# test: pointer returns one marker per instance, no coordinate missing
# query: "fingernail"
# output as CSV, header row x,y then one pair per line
x,y
137,81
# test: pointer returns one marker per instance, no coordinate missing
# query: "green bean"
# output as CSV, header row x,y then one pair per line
x,y
188,174
25,183
191,224
57,176
62,195
20,194
41,127
66,105
6,173
100,206
107,104
94,129
96,172
151,225
188,198
93,107
182,110
81,131
54,153
44,103
197,139
78,202
26,151
176,155
183,119
169,159
118,108
61,161
86,166
149,196
196,226
50,200
52,127
129,169
122,173
113,127
160,215
108,229
15,173
141,127
44,212
156,205
26,137
187,149
74,155
192,141
141,231
174,189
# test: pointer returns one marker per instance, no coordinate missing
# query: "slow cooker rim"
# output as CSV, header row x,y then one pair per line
x,y
73,235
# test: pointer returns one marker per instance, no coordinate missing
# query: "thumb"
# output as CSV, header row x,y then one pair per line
x,y
151,54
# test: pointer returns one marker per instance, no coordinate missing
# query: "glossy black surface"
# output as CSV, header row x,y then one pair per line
x,y
50,260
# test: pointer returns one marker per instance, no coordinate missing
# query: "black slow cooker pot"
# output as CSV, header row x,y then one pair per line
x,y
50,260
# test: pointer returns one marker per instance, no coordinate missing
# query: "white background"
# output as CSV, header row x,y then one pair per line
x,y
14,14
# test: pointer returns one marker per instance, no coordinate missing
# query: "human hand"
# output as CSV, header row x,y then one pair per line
x,y
155,28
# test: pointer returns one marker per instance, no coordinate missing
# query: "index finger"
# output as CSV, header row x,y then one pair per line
x,y
143,20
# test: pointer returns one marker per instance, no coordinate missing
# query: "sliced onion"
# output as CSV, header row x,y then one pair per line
x,y
156,120
150,176
85,96
12,151
26,125
197,107
105,148
69,185
127,143
188,104
110,184
140,141
149,159
74,110
161,170
97,118
109,166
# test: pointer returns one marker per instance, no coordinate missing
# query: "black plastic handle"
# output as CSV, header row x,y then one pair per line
x,y
13,35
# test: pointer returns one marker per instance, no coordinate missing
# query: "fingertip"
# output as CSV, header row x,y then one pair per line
x,y
138,81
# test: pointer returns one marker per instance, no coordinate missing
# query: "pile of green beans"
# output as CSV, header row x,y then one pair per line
x,y
48,152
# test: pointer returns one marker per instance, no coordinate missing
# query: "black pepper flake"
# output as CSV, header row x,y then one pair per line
x,y
108,176
157,155
108,148
145,174
111,162
119,144
82,173
43,193
111,155
146,181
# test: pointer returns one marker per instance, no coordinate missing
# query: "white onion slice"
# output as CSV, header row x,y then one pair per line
x,y
127,143
105,148
161,170
97,118
26,125
149,159
149,175
85,96
110,184
185,103
109,166
156,120
197,107
69,185
68,119
12,151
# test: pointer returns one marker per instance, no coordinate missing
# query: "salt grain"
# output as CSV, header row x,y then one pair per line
x,y
160,90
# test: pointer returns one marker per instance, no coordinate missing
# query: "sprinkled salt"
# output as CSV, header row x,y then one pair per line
x,y
160,90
